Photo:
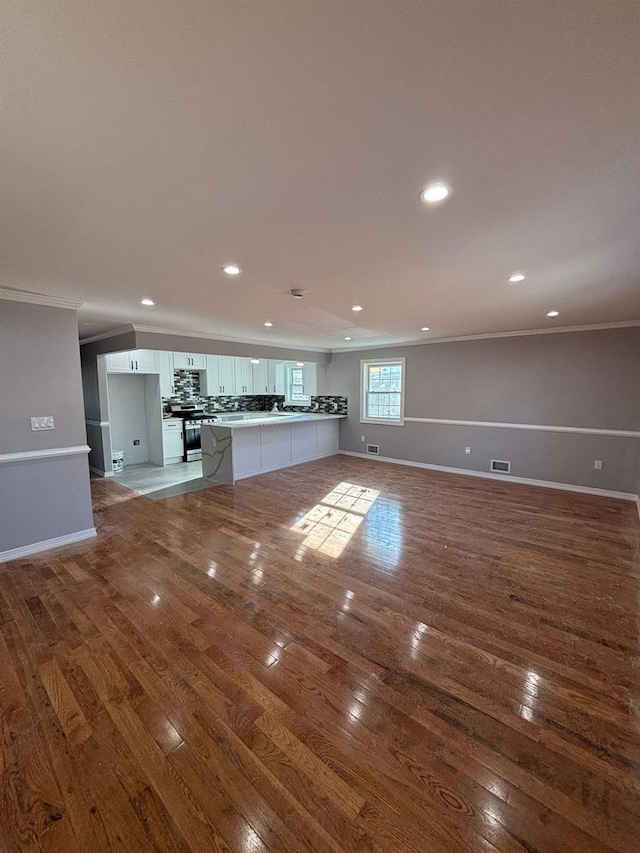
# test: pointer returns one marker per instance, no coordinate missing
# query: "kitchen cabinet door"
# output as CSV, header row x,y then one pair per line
x,y
226,376
165,364
119,362
172,442
259,377
310,378
244,379
271,377
145,360
198,361
210,379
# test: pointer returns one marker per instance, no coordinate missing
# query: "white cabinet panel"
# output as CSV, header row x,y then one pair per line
x,y
259,377
227,378
247,452
328,437
172,441
137,361
165,364
310,378
276,445
210,379
244,380
271,377
189,361
303,441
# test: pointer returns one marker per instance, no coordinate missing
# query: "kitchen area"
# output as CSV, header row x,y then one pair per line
x,y
157,407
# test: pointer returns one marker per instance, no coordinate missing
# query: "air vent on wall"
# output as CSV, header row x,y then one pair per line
x,y
501,466
373,448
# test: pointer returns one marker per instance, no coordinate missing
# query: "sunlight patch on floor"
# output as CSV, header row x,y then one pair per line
x,y
329,526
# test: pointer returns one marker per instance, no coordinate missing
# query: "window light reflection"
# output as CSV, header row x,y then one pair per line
x,y
330,524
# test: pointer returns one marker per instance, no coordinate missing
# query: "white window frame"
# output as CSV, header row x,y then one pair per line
x,y
364,373
288,384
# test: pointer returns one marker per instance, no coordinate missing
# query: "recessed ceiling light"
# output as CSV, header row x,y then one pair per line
x,y
255,361
231,269
516,277
424,329
357,308
268,324
435,192
347,339
147,301
553,313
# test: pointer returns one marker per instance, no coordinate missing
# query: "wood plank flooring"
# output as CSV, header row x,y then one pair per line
x,y
341,656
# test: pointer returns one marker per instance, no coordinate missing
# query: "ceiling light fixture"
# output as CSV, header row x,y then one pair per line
x,y
268,324
255,361
347,339
434,193
299,363
231,269
424,329
515,277
553,313
147,301
357,308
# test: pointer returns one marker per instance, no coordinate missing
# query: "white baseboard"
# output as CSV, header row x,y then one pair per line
x,y
35,547
638,505
287,465
506,478
99,472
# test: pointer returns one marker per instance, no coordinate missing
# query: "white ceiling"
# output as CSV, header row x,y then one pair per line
x,y
149,143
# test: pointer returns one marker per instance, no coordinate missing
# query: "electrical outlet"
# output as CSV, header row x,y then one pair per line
x,y
597,464
362,438
467,450
42,423
136,442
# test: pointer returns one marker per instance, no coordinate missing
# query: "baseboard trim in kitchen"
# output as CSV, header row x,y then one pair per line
x,y
505,478
286,465
99,472
46,545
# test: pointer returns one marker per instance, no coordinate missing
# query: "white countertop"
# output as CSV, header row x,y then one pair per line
x,y
270,420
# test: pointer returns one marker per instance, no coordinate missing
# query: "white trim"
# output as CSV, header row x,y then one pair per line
x,y
506,478
413,342
96,423
39,299
100,473
114,333
364,365
46,545
629,433
638,506
51,452
286,465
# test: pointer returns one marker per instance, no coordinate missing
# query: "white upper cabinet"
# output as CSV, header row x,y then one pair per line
x,y
189,361
310,378
165,363
244,378
227,376
136,361
260,377
272,380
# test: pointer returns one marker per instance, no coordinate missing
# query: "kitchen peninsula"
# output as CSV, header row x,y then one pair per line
x,y
233,450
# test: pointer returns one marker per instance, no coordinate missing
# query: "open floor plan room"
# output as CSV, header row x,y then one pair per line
x,y
445,664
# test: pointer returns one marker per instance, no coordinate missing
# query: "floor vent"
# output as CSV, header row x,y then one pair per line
x,y
501,466
373,448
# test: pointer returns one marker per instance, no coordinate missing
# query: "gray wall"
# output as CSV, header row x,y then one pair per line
x,y
40,375
576,379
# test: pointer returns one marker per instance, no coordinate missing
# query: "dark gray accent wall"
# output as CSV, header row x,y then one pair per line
x,y
41,498
577,379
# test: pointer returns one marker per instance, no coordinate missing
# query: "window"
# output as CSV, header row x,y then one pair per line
x,y
295,391
383,391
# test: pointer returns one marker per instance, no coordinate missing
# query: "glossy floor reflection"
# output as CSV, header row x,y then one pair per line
x,y
340,656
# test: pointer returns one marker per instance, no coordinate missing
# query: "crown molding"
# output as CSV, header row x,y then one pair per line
x,y
620,324
252,341
120,330
39,299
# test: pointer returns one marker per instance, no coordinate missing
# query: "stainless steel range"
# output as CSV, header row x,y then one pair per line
x,y
193,416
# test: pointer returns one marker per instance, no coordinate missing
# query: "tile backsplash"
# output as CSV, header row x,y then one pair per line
x,y
187,390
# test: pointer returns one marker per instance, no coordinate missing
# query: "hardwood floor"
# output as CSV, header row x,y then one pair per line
x,y
425,663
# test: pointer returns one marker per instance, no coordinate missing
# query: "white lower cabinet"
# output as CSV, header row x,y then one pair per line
x,y
247,452
327,437
172,442
303,442
276,446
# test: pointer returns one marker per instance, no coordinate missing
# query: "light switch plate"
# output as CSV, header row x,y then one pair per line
x,y
42,423
598,464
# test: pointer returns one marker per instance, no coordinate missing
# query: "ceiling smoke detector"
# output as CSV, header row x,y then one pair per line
x,y
297,293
